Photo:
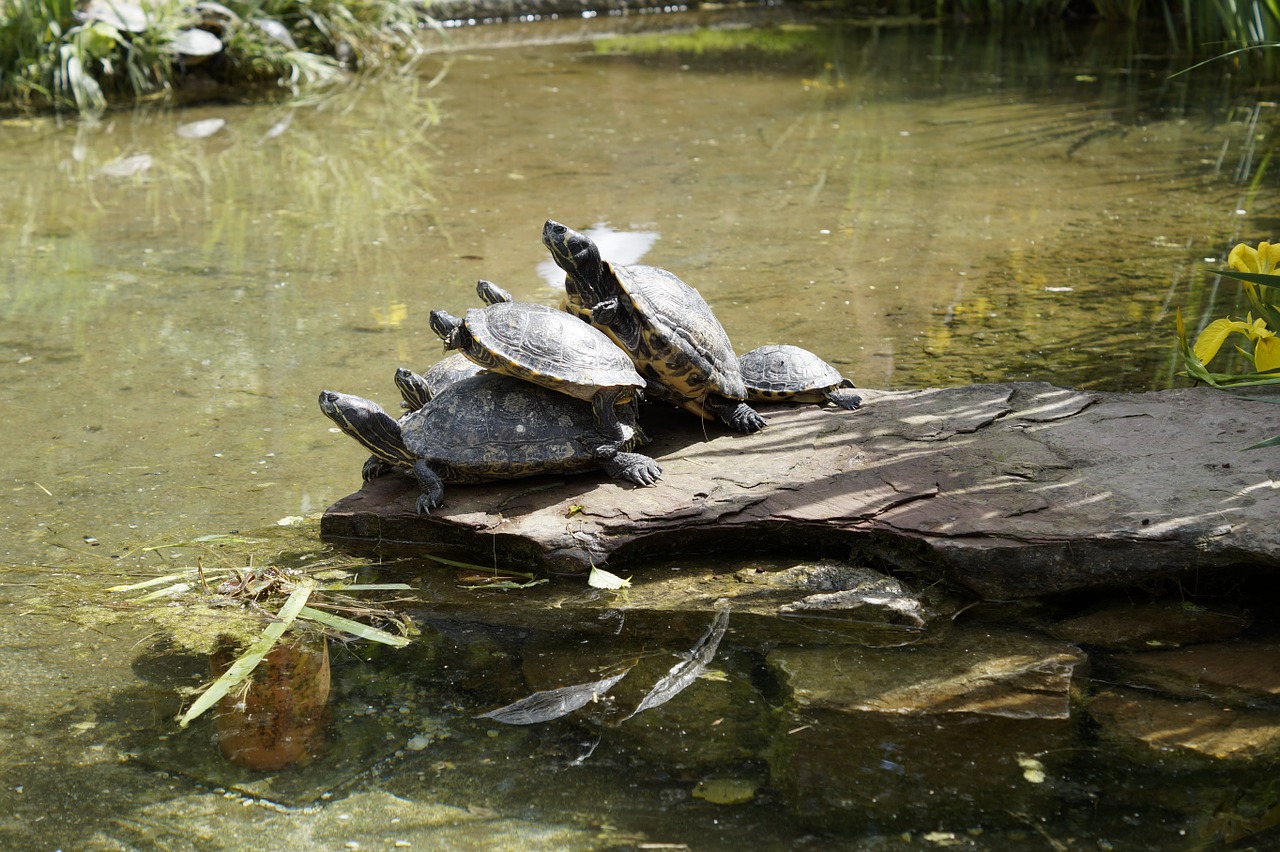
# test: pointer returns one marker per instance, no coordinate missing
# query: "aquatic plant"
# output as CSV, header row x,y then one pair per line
x,y
56,55
1255,269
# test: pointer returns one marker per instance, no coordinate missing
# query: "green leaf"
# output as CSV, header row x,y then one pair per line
x,y
355,628
248,661
1266,279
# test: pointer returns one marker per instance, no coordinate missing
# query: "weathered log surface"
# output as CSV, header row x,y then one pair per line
x,y
1011,490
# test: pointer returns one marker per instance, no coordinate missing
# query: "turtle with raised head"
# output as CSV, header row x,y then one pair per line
x,y
488,427
547,347
784,373
669,330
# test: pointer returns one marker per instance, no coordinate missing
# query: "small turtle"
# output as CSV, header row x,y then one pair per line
x,y
779,373
488,427
547,347
492,294
669,330
417,388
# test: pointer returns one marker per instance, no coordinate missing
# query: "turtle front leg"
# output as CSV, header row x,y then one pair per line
x,y
738,416
605,406
621,320
432,496
843,397
375,467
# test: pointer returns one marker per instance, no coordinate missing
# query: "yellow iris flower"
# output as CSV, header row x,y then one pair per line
x,y
1266,346
1264,259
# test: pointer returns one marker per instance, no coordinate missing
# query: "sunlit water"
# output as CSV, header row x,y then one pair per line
x,y
919,208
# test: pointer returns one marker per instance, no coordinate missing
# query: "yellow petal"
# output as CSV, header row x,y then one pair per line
x,y
1243,258
1266,354
1211,339
1268,256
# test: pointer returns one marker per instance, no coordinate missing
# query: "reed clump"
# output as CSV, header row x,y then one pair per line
x,y
84,56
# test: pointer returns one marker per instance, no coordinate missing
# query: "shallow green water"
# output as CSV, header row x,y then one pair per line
x,y
918,208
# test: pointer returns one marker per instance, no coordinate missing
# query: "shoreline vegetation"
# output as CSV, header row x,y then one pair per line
x,y
64,55
87,55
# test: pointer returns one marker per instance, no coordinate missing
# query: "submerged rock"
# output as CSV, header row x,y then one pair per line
x,y
995,672
913,737
1011,490
1130,627
1149,724
1242,672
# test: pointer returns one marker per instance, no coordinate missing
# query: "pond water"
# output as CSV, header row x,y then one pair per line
x,y
919,207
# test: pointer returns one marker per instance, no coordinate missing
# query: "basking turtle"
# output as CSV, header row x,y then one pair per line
x,y
677,343
777,373
416,389
550,348
489,427
492,294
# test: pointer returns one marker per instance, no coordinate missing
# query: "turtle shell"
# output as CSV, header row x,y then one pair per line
x,y
782,371
548,347
492,426
448,370
682,342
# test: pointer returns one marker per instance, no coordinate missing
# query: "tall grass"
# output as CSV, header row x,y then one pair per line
x,y
52,58
1201,28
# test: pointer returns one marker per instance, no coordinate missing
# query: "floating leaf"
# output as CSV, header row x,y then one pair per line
x,y
602,579
355,628
552,703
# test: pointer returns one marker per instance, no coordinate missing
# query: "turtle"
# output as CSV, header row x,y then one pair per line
x,y
417,388
669,330
488,427
781,372
547,347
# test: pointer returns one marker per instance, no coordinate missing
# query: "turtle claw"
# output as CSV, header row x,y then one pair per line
x,y
426,503
432,496
743,418
634,467
375,467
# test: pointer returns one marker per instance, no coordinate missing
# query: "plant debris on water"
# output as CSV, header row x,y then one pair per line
x,y
249,606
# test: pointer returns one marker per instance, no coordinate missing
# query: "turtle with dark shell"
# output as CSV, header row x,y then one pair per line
x,y
489,427
784,373
417,388
547,347
669,330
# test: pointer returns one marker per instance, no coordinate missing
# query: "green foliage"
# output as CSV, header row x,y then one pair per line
x,y
51,57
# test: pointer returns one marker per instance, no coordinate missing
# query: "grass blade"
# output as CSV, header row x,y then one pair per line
x,y
248,661
355,628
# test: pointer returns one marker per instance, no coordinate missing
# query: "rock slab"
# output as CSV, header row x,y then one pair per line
x,y
1011,490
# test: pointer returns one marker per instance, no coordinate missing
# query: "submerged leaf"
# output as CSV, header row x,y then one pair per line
x,y
688,670
552,703
248,661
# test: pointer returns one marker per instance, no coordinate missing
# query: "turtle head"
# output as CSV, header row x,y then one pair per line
x,y
365,421
574,252
414,390
579,257
448,328
492,294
